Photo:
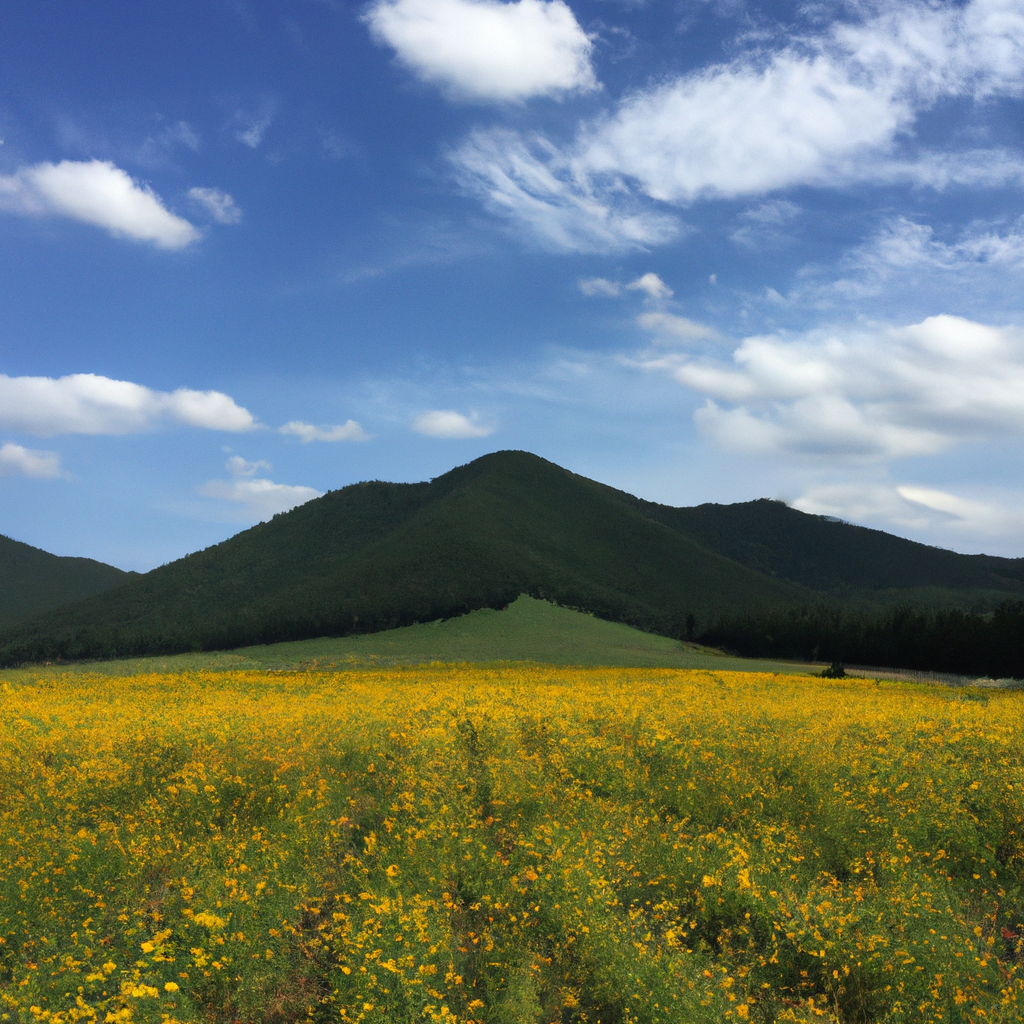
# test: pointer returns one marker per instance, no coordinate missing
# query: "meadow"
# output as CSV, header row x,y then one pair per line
x,y
508,844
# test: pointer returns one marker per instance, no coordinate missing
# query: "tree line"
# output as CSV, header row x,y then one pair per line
x,y
937,640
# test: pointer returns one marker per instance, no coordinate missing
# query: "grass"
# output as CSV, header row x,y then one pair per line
x,y
510,845
528,630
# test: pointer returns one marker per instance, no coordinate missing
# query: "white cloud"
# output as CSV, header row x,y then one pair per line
x,y
306,432
742,130
486,50
237,466
447,423
652,285
543,198
901,243
85,403
667,325
28,462
861,394
649,283
923,510
823,111
600,286
261,499
977,266
216,204
98,193
977,516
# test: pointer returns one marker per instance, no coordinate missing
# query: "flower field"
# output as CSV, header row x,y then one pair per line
x,y
520,844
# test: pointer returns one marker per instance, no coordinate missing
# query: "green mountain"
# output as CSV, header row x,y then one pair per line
x,y
376,556
837,558
35,581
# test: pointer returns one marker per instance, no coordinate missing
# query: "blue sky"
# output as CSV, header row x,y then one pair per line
x,y
703,251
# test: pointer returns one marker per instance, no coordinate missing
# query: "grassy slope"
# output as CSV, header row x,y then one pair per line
x,y
35,581
528,630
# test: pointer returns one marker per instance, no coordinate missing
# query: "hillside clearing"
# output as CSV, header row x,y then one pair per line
x,y
527,630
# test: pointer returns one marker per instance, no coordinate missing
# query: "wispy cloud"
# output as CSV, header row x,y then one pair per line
x,y
600,286
86,403
531,186
486,50
216,204
825,111
251,125
95,192
668,326
927,511
903,257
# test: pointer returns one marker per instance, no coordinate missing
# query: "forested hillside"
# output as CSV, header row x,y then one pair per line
x,y
759,576
34,581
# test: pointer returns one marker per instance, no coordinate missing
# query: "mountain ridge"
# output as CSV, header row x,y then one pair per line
x,y
35,581
376,555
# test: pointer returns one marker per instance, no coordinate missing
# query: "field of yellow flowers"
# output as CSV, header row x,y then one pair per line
x,y
500,845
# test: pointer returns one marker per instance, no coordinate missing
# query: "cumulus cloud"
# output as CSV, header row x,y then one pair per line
x,y
86,403
531,186
652,286
95,192
16,460
823,111
487,50
306,432
860,394
446,423
216,204
260,498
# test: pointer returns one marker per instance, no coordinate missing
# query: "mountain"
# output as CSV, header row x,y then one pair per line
x,y
35,581
377,555
840,559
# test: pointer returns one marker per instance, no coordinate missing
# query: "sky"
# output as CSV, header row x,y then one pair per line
x,y
705,250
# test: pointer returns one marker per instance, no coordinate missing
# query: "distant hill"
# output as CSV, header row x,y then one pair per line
x,y
828,555
34,581
375,556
